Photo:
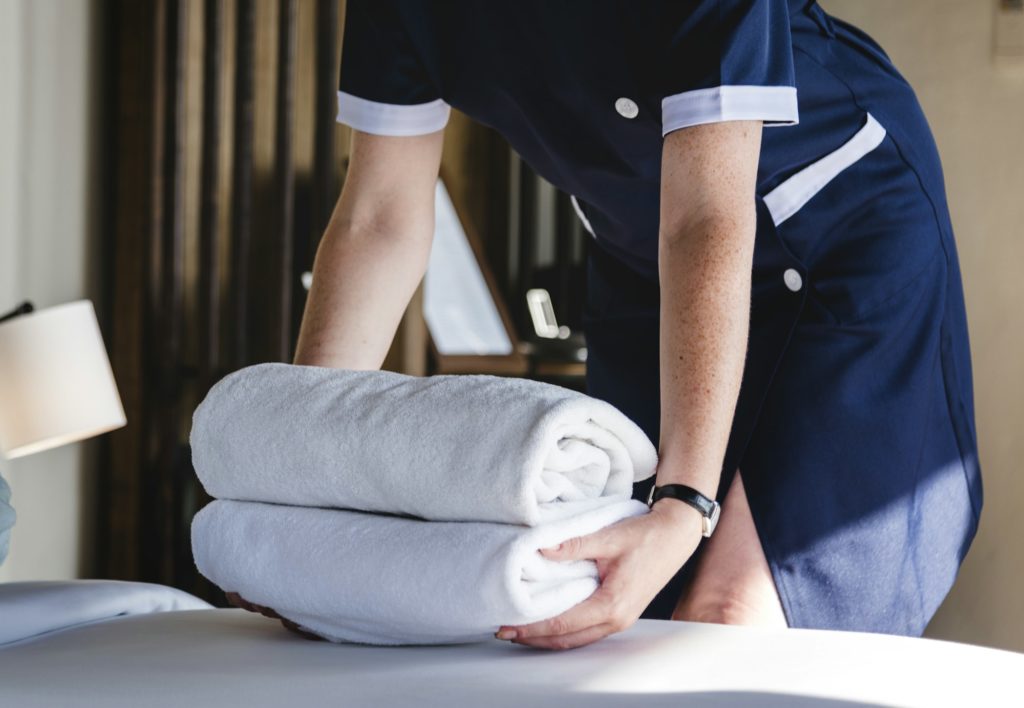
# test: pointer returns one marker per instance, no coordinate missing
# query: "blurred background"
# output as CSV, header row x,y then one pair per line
x,y
175,161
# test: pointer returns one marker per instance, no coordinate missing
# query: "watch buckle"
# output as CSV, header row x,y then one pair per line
x,y
709,522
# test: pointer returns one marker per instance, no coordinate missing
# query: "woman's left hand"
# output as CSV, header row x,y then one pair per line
x,y
635,559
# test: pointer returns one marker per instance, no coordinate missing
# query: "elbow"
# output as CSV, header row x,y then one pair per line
x,y
730,231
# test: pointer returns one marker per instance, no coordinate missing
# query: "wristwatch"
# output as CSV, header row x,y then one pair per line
x,y
709,509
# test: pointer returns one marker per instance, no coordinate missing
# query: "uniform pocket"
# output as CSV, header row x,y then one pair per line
x,y
862,224
789,197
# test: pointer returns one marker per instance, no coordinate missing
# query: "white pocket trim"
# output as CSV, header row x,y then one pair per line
x,y
583,217
392,118
790,196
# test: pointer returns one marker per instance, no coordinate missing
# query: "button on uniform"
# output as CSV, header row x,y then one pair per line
x,y
793,279
627,108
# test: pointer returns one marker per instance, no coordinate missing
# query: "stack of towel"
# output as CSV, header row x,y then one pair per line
x,y
387,509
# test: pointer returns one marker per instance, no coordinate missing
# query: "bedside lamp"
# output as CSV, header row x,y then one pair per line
x,y
56,386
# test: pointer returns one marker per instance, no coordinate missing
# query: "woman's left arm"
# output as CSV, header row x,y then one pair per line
x,y
705,254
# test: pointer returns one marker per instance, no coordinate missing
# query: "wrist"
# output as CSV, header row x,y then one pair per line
x,y
678,516
708,509
694,473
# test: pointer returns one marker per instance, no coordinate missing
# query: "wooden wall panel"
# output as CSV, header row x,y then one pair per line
x,y
227,164
214,132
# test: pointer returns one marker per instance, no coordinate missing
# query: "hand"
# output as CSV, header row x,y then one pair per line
x,y
238,601
635,559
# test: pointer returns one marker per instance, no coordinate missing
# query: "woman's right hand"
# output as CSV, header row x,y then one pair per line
x,y
238,601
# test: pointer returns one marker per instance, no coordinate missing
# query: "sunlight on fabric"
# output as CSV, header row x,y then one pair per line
x,y
458,307
797,664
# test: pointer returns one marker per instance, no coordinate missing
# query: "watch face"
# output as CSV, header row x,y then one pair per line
x,y
711,521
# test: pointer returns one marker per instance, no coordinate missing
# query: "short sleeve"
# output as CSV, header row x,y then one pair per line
x,y
729,60
383,86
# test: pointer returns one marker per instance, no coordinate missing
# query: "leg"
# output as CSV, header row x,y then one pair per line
x,y
732,583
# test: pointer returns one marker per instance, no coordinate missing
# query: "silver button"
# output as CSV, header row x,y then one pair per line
x,y
627,108
793,280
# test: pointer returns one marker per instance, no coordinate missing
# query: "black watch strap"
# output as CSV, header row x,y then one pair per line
x,y
708,508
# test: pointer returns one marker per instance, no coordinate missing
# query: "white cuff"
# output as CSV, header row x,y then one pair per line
x,y
392,118
771,104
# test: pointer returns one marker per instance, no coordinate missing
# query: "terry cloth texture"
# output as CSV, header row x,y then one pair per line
x,y
452,448
376,579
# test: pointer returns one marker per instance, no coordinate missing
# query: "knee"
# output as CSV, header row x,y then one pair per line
x,y
730,608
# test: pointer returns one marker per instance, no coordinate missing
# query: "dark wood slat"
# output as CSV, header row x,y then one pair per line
x,y
150,482
191,496
163,352
325,185
209,286
285,172
176,474
241,182
136,83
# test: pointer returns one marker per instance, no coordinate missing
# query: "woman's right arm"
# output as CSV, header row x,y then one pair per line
x,y
374,252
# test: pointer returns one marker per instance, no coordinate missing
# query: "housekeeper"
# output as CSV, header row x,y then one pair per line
x,y
774,292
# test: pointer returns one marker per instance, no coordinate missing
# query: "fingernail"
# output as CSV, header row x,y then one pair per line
x,y
506,634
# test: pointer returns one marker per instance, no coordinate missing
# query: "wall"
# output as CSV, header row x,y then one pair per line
x,y
47,215
976,108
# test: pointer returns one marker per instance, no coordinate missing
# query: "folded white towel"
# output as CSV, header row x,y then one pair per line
x,y
370,578
462,448
28,609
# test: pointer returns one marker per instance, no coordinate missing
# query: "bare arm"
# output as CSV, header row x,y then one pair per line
x,y
705,257
705,254
373,253
369,262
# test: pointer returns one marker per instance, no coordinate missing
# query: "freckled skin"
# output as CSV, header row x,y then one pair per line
x,y
705,256
374,252
705,259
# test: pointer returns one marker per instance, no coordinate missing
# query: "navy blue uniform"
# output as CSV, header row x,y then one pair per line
x,y
854,430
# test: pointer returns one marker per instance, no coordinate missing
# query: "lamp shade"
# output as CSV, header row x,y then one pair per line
x,y
56,385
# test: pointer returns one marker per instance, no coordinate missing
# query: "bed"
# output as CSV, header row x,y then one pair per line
x,y
231,657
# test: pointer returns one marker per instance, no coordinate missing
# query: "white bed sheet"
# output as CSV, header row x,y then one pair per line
x,y
229,657
32,608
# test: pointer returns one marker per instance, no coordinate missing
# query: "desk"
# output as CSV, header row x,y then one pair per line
x,y
230,657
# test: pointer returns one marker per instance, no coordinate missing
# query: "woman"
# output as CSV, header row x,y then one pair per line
x,y
783,304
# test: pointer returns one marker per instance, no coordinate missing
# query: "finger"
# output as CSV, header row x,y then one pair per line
x,y
237,600
589,613
293,627
267,612
589,547
569,641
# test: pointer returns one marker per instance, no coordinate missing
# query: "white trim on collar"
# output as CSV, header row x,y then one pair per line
x,y
775,105
392,118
